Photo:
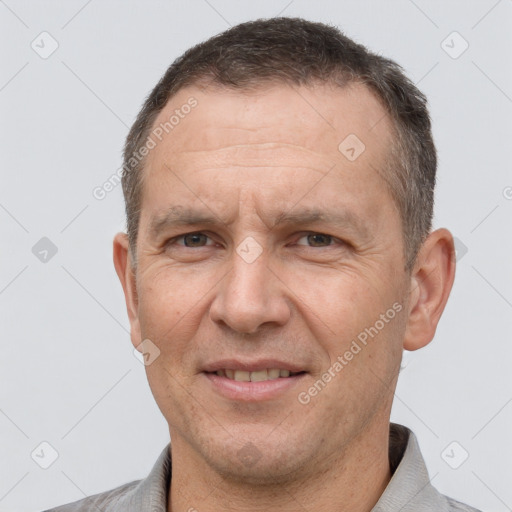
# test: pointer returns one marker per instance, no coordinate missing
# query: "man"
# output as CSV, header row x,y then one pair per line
x,y
279,188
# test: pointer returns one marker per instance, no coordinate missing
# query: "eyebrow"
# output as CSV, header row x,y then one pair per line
x,y
342,218
179,216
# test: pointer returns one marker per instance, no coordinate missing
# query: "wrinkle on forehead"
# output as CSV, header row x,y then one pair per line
x,y
278,112
267,154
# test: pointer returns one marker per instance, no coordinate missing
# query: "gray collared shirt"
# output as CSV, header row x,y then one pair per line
x,y
409,489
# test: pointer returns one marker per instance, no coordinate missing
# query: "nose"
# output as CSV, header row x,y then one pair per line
x,y
250,296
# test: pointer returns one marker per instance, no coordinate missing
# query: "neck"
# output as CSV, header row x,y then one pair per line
x,y
352,481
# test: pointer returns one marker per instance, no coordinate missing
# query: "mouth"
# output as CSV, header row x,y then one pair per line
x,y
253,385
255,376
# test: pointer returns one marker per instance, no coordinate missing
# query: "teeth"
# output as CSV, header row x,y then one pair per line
x,y
273,373
258,376
242,376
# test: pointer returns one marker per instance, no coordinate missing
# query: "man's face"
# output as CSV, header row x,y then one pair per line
x,y
296,249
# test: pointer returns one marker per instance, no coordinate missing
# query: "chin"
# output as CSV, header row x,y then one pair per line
x,y
259,461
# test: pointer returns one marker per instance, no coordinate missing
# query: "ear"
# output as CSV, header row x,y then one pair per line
x,y
126,274
431,283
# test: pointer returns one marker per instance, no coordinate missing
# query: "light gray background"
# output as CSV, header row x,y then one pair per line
x,y
68,373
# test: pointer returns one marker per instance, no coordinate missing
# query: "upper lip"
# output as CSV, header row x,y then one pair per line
x,y
251,366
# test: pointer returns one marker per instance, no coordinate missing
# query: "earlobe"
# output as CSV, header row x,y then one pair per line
x,y
431,282
126,274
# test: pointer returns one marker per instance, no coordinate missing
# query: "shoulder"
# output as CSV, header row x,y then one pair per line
x,y
105,501
149,493
457,506
410,488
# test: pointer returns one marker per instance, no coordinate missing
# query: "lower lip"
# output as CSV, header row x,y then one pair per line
x,y
253,391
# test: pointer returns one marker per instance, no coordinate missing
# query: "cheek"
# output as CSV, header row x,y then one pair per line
x,y
352,317
169,310
337,303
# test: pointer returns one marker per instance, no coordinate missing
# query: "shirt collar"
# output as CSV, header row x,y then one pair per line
x,y
150,493
410,487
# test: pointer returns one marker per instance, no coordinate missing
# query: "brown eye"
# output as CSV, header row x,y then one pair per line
x,y
317,240
194,240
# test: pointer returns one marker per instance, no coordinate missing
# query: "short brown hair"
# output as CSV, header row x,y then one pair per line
x,y
300,52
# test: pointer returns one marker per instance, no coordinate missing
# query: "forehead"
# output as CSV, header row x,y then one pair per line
x,y
293,134
316,118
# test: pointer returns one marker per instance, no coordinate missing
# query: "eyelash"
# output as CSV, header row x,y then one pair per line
x,y
333,239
